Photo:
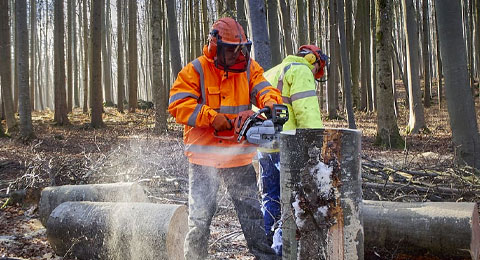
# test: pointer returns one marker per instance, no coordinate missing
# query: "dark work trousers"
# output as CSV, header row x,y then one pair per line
x,y
240,182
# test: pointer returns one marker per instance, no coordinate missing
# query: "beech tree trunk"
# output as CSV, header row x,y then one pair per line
x,y
322,215
287,27
274,36
5,67
96,94
132,56
114,192
24,107
61,111
106,230
461,107
120,59
173,38
387,128
416,120
159,90
86,59
448,230
258,27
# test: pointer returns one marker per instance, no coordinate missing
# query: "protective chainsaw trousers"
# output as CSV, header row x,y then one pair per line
x,y
240,182
270,174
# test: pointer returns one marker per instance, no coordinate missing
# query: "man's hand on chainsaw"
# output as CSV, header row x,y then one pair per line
x,y
270,104
240,120
221,123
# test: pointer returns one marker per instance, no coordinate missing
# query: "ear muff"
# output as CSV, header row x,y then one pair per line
x,y
311,58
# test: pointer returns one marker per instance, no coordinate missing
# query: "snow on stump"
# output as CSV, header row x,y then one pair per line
x,y
114,192
448,230
321,194
118,230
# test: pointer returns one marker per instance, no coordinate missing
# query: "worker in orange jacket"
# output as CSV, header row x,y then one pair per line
x,y
209,94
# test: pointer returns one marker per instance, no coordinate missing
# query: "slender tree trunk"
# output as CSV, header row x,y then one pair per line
x,y
346,66
331,84
241,17
426,54
33,42
6,68
416,119
356,53
70,4
105,56
85,57
272,14
24,107
439,65
311,23
47,61
387,128
120,64
287,27
159,90
206,23
61,111
15,62
372,32
470,43
477,41
301,23
76,96
461,107
96,64
349,27
132,56
173,36
198,44
259,31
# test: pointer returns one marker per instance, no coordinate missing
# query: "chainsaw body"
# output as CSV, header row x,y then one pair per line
x,y
263,130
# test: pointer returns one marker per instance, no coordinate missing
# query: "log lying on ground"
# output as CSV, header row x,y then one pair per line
x,y
448,230
109,230
113,192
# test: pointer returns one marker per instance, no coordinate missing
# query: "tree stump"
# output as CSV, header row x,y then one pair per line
x,y
448,230
321,194
115,192
110,230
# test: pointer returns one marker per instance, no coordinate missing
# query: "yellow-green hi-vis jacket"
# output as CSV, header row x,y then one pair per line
x,y
294,78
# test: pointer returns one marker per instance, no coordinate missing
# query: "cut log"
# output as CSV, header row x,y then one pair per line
x,y
321,194
110,230
113,192
448,230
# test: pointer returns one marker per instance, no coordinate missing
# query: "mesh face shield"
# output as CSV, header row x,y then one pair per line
x,y
232,57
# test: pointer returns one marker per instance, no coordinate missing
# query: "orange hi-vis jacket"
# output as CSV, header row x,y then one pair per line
x,y
200,92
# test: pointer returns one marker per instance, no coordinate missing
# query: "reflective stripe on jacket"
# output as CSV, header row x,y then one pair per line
x,y
294,78
200,92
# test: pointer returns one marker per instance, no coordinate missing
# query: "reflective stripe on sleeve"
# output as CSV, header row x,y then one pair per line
x,y
304,94
199,69
222,150
234,109
193,117
256,89
297,96
181,95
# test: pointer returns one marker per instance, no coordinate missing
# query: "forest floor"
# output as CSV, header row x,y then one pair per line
x,y
127,150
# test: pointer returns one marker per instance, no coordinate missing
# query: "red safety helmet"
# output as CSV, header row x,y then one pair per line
x,y
313,54
229,46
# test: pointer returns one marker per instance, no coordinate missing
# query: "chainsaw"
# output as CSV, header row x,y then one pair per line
x,y
263,130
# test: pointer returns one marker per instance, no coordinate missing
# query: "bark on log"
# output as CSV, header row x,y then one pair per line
x,y
321,194
448,230
114,192
111,230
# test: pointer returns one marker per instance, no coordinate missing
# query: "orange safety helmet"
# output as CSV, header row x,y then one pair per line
x,y
229,46
313,54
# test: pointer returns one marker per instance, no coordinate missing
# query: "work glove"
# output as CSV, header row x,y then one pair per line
x,y
270,104
221,123
240,120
